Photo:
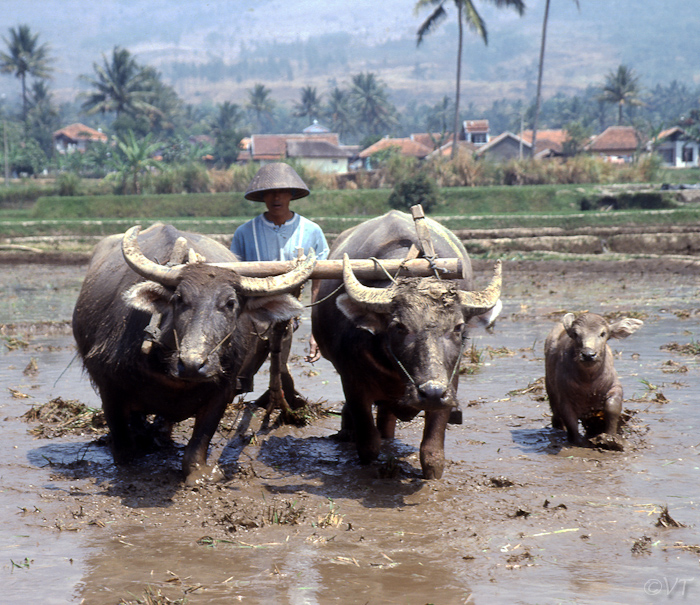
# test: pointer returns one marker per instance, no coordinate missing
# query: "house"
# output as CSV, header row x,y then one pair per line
x,y
676,149
320,150
475,132
445,151
550,143
407,147
504,147
76,137
617,144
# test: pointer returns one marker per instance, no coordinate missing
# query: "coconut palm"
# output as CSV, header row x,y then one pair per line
x,y
372,107
339,111
42,116
226,128
538,94
25,57
621,88
310,104
120,86
466,15
260,104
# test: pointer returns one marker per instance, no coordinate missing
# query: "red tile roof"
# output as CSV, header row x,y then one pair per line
x,y
615,139
405,146
547,139
80,132
476,125
274,146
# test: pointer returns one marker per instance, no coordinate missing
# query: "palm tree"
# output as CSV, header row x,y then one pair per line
x,y
621,87
309,105
25,57
339,111
137,158
538,94
226,128
260,104
42,116
466,15
120,86
373,108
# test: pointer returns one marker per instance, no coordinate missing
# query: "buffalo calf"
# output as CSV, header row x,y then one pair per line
x,y
580,379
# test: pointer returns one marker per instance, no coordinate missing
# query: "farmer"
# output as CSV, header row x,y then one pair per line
x,y
278,232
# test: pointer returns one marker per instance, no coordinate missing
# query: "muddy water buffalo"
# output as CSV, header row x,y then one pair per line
x,y
398,344
580,379
165,340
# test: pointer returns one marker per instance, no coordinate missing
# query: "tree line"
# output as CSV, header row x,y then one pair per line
x,y
132,103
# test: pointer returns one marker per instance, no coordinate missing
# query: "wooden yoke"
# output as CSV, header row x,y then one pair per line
x,y
424,237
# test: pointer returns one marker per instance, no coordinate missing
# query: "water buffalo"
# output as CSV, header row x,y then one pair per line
x,y
398,344
580,379
166,340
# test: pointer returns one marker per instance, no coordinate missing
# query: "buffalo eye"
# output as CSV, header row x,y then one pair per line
x,y
230,304
603,334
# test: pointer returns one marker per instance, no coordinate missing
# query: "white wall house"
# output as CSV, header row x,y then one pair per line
x,y
676,149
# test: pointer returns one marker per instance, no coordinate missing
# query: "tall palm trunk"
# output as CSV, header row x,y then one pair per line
x,y
538,95
453,154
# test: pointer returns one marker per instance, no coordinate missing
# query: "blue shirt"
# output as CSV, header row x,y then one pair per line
x,y
260,239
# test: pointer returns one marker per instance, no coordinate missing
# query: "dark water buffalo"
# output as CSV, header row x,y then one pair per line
x,y
581,380
165,340
398,345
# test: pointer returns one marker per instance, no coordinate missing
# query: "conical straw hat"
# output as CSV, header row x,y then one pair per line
x,y
276,176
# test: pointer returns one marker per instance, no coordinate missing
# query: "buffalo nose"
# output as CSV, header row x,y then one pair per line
x,y
191,368
431,390
588,355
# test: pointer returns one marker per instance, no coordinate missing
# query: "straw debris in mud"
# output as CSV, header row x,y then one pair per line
x,y
60,417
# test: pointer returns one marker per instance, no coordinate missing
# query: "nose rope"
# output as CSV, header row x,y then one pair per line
x,y
454,369
218,346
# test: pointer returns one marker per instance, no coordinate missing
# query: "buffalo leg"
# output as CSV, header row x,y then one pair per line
x,y
570,421
194,461
386,422
432,447
117,417
367,437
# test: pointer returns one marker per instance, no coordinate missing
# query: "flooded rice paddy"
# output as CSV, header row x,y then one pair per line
x,y
519,516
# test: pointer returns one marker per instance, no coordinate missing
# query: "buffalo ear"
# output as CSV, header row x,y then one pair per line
x,y
280,307
148,296
567,321
624,327
359,314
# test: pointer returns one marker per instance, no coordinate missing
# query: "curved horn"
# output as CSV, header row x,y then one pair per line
x,y
480,302
279,284
145,267
378,299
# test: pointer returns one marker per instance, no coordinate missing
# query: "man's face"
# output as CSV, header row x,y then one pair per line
x,y
277,201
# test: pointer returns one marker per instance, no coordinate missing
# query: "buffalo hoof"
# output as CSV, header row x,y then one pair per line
x,y
202,474
433,466
605,441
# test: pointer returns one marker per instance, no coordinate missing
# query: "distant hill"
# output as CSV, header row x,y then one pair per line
x,y
215,50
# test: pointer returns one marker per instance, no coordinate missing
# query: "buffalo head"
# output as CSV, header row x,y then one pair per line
x,y
198,306
421,323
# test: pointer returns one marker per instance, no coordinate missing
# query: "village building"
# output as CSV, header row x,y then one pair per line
x,y
676,149
475,132
316,148
618,144
76,137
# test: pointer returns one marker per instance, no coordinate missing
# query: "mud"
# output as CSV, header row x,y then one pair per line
x,y
519,517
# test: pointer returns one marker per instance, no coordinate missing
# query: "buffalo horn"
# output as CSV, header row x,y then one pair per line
x,y
279,284
145,267
378,299
480,302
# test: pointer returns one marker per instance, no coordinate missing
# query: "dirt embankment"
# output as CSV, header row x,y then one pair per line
x,y
658,240
653,241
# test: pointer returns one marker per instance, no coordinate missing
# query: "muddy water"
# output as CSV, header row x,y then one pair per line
x,y
519,517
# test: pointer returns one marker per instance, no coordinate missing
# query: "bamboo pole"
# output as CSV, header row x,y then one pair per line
x,y
363,268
